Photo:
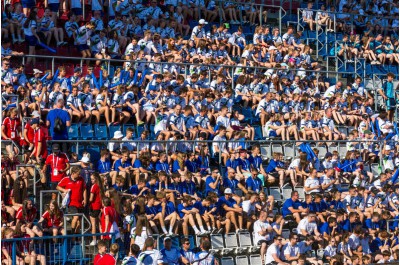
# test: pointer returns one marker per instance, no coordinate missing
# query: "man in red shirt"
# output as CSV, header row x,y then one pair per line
x,y
39,142
59,165
75,186
103,258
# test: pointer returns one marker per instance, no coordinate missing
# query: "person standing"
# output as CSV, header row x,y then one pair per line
x,y
204,257
58,120
103,258
59,165
39,142
75,187
150,256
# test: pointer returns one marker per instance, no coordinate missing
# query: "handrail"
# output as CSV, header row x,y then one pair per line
x,y
185,65
17,239
10,142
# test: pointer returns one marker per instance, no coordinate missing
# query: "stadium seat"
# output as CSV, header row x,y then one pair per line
x,y
217,242
300,190
288,151
112,129
231,243
94,151
285,233
276,193
258,133
73,131
139,130
87,131
276,148
255,259
286,192
242,260
101,132
245,242
227,261
322,151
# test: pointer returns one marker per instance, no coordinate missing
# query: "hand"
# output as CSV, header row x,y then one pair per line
x,y
84,203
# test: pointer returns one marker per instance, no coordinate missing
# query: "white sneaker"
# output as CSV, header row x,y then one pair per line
x,y
237,22
93,243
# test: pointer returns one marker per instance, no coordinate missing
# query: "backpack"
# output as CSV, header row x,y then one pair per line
x,y
59,125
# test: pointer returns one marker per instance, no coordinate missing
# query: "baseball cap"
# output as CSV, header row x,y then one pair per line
x,y
167,238
85,159
228,191
56,147
328,154
34,121
37,71
77,69
203,22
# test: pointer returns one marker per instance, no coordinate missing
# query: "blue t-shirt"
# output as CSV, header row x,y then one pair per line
x,y
134,190
182,207
152,188
289,203
321,206
171,256
64,116
210,180
169,208
199,206
175,166
336,204
231,183
244,164
162,166
119,164
310,206
192,166
373,225
254,184
104,166
152,210
188,187
255,161
137,164
271,166
325,228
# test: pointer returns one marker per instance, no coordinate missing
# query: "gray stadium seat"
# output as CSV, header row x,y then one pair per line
x,y
342,150
217,242
276,148
375,169
286,192
227,261
255,259
300,190
245,244
265,151
288,150
242,260
276,193
231,243
285,233
322,151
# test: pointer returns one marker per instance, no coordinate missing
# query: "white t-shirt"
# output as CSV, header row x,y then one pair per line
x,y
272,249
151,257
288,249
312,182
306,225
258,227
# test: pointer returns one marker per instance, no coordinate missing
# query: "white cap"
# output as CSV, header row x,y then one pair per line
x,y
388,148
35,114
228,191
118,134
85,159
203,22
37,71
272,48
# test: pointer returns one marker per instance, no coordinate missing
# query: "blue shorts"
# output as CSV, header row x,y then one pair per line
x,y
77,11
272,134
28,3
31,40
390,103
54,7
82,47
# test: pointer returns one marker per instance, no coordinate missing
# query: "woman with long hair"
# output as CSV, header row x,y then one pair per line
x,y
25,247
301,166
108,218
27,213
141,232
96,196
18,193
52,220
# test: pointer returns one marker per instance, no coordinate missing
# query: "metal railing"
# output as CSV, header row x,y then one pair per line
x,y
184,67
57,249
267,146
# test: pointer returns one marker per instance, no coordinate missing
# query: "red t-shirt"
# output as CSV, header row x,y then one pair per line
x,y
57,163
76,188
30,216
105,259
29,132
110,211
51,220
40,137
12,127
96,204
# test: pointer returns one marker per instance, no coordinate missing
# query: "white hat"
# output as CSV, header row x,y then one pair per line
x,y
203,22
37,71
272,48
85,159
388,147
118,134
228,191
35,114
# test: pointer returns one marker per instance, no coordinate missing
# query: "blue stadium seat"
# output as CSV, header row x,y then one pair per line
x,y
368,69
73,131
94,151
126,126
248,114
139,130
101,132
394,69
152,134
258,135
311,34
57,253
78,151
112,129
87,131
76,254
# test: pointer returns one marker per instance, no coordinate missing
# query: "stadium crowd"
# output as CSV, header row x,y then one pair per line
x,y
203,174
